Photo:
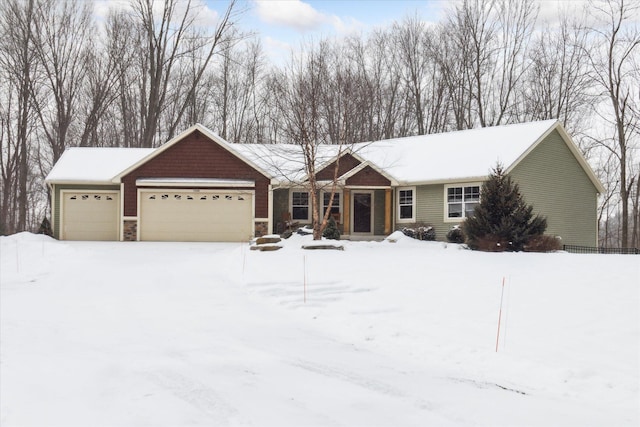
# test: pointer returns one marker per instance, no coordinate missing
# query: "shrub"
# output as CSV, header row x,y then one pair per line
x,y
426,233
331,230
492,243
409,232
455,235
502,215
543,243
45,227
423,232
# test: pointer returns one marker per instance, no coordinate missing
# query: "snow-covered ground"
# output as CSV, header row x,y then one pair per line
x,y
390,334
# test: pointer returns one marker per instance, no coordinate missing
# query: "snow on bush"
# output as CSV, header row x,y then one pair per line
x,y
422,232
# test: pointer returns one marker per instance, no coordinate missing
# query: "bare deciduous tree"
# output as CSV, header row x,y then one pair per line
x,y
558,85
495,34
17,60
237,106
614,65
106,63
317,104
60,37
164,45
422,77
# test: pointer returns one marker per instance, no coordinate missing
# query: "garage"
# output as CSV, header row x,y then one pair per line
x,y
196,215
196,187
90,215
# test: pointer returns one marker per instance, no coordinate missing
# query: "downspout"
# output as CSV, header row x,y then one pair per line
x,y
270,208
52,190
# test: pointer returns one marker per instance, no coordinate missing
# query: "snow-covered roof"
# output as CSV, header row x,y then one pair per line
x,y
91,165
445,157
453,156
284,162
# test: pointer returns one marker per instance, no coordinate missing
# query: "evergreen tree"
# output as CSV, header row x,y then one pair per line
x,y
331,230
45,227
502,215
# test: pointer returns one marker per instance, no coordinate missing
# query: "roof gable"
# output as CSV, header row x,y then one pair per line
x,y
466,155
572,147
347,163
214,138
367,175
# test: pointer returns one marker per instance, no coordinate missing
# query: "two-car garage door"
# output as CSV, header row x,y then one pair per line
x,y
188,215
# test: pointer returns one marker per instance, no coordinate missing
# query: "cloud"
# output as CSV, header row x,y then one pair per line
x,y
290,13
551,11
278,51
102,8
203,15
347,26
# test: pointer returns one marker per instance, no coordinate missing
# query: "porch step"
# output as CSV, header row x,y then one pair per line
x,y
266,243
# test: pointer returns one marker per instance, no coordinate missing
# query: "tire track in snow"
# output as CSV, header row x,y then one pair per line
x,y
362,381
291,294
196,394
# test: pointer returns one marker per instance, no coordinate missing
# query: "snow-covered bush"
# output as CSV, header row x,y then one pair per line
x,y
306,230
423,232
455,235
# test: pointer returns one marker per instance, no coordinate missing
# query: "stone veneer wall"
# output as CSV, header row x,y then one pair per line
x,y
130,229
261,228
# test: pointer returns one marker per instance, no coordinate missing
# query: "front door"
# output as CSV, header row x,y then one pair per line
x,y
362,212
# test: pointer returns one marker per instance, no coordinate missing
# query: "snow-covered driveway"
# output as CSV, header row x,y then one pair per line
x,y
172,334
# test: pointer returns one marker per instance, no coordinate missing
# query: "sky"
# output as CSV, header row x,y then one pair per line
x,y
284,24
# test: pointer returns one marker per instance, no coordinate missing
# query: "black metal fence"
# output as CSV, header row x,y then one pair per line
x,y
593,250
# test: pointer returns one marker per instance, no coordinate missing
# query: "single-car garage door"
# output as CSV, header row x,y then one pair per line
x,y
90,216
196,216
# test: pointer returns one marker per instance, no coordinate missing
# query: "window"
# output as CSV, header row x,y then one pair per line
x,y
300,205
406,204
335,206
461,201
